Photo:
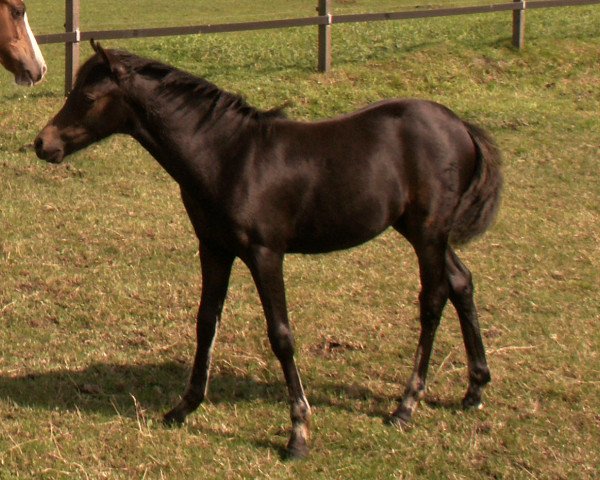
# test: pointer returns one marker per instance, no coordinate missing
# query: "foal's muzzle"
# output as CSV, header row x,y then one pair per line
x,y
48,146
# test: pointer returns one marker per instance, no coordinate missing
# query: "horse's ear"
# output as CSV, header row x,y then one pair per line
x,y
117,69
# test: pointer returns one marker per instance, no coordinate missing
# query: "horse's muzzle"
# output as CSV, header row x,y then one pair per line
x,y
31,73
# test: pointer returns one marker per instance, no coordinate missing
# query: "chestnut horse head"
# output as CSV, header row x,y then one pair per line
x,y
19,51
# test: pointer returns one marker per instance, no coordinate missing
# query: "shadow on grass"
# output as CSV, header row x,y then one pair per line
x,y
110,389
113,390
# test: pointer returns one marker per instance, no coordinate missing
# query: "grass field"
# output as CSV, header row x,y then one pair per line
x,y
100,279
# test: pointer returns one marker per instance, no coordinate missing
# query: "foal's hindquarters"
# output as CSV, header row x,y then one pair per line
x,y
443,276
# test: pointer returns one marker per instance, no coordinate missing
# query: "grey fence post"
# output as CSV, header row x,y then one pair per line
x,y
71,47
324,9
518,37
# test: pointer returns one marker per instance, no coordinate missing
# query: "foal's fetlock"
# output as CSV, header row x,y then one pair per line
x,y
480,376
478,379
415,391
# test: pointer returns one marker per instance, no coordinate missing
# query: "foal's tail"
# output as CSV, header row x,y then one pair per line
x,y
479,204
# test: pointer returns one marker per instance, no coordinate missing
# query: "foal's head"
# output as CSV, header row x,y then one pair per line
x,y
19,51
95,109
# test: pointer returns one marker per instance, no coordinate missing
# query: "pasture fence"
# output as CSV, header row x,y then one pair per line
x,y
324,20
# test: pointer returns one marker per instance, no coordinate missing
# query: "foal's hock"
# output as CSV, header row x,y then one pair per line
x,y
257,186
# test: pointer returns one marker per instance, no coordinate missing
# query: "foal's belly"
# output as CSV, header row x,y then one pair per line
x,y
343,226
331,243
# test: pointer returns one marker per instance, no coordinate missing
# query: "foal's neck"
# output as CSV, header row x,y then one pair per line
x,y
191,133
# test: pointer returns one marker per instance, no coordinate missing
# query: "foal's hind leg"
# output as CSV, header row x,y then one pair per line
x,y
216,268
432,299
461,296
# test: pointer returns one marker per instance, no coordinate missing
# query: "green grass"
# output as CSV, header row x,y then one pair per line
x,y
100,278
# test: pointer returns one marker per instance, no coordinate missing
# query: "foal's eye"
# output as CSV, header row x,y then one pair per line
x,y
88,99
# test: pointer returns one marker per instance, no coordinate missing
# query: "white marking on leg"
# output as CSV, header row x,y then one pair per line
x,y
210,354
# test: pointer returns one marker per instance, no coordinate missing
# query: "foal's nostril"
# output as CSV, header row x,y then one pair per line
x,y
38,144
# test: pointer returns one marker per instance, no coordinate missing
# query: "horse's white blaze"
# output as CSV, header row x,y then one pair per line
x,y
39,58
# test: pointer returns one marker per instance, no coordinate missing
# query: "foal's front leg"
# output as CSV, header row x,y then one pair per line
x,y
267,270
216,269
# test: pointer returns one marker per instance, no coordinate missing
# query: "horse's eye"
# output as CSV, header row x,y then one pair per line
x,y
18,12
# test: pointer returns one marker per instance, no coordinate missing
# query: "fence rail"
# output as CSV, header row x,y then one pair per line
x,y
324,21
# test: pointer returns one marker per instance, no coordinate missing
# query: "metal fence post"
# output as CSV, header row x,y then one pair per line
x,y
518,36
324,9
71,47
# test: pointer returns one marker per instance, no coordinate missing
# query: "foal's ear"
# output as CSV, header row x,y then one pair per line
x,y
117,69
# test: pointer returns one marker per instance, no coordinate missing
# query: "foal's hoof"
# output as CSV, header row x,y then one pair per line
x,y
398,422
297,447
472,403
296,452
174,418
401,418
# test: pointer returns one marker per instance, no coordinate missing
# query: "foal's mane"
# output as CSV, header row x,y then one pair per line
x,y
192,89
